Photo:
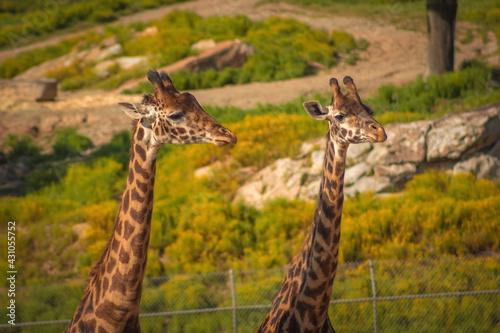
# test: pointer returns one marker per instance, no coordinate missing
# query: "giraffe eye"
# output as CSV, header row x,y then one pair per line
x,y
339,117
175,116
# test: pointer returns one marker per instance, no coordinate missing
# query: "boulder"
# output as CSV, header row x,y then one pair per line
x,y
282,179
460,134
203,45
482,166
317,160
405,143
231,53
357,153
40,90
101,68
108,52
354,173
47,90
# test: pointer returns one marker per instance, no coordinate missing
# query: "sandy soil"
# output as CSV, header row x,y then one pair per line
x,y
394,56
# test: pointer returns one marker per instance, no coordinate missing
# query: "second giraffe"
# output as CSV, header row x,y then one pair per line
x,y
302,302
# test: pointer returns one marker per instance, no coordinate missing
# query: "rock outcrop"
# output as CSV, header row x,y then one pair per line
x,y
459,142
41,89
229,53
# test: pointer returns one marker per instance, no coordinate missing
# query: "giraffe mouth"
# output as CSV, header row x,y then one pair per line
x,y
224,142
378,138
226,138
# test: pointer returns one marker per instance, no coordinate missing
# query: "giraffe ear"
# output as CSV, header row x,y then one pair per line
x,y
139,111
315,110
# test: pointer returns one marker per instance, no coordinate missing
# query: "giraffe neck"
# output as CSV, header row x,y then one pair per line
x,y
113,292
302,303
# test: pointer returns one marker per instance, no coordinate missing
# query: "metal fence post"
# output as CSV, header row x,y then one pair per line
x,y
374,292
231,276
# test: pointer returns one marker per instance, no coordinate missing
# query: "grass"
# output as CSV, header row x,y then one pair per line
x,y
409,14
29,20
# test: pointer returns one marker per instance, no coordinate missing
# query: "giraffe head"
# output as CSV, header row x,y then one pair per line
x,y
174,117
350,121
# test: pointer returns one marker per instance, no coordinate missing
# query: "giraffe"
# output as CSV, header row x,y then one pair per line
x,y
112,295
302,302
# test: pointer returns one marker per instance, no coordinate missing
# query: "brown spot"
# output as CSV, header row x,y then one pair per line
x,y
125,202
137,168
111,265
105,286
181,130
140,133
157,131
315,292
118,228
338,168
318,248
140,151
128,230
132,154
137,243
117,283
330,167
115,245
136,216
293,325
111,312
130,176
340,201
328,210
135,196
124,257
142,186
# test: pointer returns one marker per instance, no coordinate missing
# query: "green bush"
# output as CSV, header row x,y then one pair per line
x,y
23,61
69,143
15,147
65,16
468,86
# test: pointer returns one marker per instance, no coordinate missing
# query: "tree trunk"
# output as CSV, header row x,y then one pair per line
x,y
441,16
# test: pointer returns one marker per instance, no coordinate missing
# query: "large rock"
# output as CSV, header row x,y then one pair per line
x,y
460,134
405,143
40,90
282,179
230,53
482,166
124,63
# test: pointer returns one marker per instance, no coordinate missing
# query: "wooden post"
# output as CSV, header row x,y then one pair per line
x,y
441,16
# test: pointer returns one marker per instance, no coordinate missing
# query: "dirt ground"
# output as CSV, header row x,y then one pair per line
x,y
394,56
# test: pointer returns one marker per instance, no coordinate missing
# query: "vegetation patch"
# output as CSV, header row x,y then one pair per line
x,y
28,19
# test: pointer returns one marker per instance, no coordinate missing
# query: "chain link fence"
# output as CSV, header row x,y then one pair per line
x,y
419,295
